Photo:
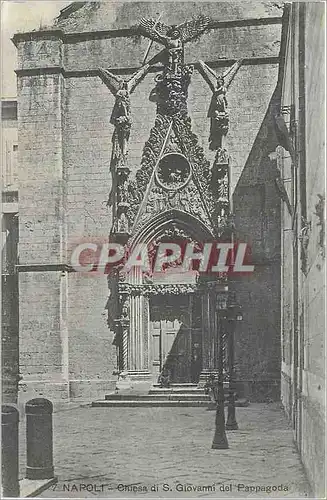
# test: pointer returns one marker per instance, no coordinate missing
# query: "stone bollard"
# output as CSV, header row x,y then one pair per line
x,y
39,437
9,455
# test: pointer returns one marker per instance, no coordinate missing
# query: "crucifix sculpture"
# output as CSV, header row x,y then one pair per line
x,y
122,89
218,114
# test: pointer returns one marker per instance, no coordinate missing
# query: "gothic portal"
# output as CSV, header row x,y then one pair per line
x,y
169,320
170,120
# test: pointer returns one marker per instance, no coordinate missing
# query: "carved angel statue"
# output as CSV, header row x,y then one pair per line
x,y
218,114
122,223
122,88
174,37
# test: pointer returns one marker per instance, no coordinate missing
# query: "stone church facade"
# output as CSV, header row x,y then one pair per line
x,y
127,132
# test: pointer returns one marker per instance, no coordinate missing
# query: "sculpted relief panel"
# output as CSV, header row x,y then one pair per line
x,y
183,182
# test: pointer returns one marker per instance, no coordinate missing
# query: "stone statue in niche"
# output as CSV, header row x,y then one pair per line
x,y
125,309
218,114
122,223
123,192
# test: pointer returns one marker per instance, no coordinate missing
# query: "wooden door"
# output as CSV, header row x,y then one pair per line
x,y
196,361
155,342
171,342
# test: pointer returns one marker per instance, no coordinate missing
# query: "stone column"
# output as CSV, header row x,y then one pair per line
x,y
123,324
124,344
138,365
214,300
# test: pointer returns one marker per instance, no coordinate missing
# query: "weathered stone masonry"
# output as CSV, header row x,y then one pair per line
x,y
303,253
64,155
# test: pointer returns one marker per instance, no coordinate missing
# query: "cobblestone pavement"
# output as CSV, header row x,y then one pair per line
x,y
166,452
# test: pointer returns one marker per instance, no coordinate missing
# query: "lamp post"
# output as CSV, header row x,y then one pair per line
x,y
220,439
234,314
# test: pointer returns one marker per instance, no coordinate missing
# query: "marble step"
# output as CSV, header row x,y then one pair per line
x,y
142,400
179,386
147,402
175,390
180,390
133,403
170,396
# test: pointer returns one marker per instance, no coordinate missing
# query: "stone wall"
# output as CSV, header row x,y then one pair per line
x,y
9,234
257,221
65,180
303,285
313,285
9,146
9,308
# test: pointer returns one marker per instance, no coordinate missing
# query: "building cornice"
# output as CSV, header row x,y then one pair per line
x,y
51,70
129,32
283,43
30,268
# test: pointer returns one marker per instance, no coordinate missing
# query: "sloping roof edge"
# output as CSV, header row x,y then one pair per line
x,y
69,9
283,43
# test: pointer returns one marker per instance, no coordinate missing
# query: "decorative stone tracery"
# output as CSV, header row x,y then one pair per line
x,y
174,182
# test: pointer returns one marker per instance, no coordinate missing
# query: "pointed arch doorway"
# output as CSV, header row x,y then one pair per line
x,y
170,318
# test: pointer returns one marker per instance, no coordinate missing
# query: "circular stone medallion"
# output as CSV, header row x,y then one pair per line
x,y
173,171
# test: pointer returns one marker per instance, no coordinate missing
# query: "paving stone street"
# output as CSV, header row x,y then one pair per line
x,y
166,452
